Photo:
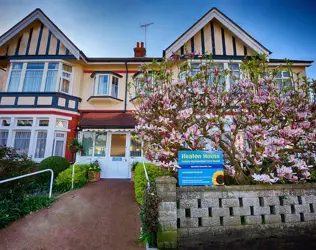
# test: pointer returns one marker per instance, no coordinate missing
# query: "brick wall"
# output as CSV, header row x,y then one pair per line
x,y
230,212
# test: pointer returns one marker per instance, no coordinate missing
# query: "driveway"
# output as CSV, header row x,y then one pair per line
x,y
101,215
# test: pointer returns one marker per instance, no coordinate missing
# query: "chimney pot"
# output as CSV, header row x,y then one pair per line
x,y
139,51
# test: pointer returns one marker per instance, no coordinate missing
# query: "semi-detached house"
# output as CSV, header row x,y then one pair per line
x,y
52,92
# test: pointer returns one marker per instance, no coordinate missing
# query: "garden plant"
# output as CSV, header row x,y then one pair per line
x,y
265,127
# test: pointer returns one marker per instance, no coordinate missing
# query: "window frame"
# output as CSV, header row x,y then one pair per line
x,y
5,131
36,141
29,130
44,77
96,83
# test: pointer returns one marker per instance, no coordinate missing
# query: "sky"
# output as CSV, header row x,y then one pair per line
x,y
111,28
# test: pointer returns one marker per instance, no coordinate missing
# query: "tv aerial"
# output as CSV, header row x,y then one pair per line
x,y
144,26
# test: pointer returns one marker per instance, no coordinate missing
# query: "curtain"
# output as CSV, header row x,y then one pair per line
x,y
103,85
14,81
40,144
22,142
32,81
3,138
59,148
51,80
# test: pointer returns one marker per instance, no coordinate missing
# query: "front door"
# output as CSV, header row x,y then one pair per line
x,y
117,163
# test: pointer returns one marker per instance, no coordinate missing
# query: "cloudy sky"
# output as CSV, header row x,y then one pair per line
x,y
110,28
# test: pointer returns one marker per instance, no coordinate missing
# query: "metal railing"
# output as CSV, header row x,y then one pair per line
x,y
34,173
145,170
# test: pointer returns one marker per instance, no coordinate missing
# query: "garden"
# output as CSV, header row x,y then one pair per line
x,y
23,196
265,127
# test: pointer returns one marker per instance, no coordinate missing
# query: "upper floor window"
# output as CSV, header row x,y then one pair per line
x,y
106,85
40,77
283,79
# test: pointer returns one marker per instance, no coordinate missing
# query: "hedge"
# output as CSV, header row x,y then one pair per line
x,y
63,180
140,182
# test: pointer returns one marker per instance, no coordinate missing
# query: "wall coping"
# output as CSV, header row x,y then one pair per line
x,y
246,187
166,180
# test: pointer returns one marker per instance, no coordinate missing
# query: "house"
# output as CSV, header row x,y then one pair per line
x,y
52,92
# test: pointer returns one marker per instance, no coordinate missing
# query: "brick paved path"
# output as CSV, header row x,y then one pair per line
x,y
101,215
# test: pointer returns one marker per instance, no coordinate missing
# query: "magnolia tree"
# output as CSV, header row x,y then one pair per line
x,y
264,127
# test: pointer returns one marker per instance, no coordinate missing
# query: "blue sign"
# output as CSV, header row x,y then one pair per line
x,y
201,168
117,159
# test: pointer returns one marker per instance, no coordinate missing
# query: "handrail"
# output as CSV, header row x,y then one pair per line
x,y
34,173
148,182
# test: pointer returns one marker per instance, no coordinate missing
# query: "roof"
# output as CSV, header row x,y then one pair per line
x,y
38,14
294,62
227,22
107,120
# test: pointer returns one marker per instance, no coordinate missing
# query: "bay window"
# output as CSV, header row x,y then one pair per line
x,y
15,77
40,144
106,85
3,138
33,77
22,142
40,77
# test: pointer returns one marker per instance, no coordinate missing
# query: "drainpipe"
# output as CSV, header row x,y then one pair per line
x,y
126,83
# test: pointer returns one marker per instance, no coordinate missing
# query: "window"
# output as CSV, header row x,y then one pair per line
x,y
103,85
36,77
100,144
220,68
51,78
22,142
87,143
235,73
5,122
3,138
106,85
65,78
43,123
15,77
59,144
40,144
114,92
136,147
283,79
25,122
61,123
33,77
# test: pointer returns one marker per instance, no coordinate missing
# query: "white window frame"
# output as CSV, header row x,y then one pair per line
x,y
5,118
24,118
46,62
27,129
282,78
109,89
35,142
59,139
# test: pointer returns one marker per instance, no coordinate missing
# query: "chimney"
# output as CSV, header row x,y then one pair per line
x,y
139,51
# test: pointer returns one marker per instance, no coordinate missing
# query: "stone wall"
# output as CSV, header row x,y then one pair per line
x,y
227,213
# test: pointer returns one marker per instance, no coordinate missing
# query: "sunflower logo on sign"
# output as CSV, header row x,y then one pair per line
x,y
218,177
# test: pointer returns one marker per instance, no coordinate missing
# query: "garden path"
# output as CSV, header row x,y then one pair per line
x,y
101,215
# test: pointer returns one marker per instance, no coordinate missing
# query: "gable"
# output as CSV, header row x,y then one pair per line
x,y
36,35
215,33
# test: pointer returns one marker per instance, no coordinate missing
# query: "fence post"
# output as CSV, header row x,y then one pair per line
x,y
167,234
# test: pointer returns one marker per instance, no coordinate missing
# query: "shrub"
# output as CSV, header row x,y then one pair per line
x,y
140,182
149,217
63,180
12,164
32,203
56,163
11,210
